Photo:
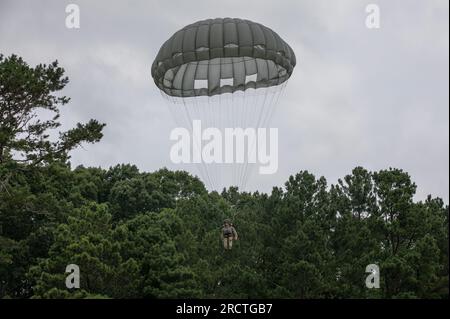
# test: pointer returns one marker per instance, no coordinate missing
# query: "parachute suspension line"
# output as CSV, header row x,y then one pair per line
x,y
248,98
256,107
254,101
218,124
248,103
195,146
251,144
205,110
215,109
210,119
268,107
209,123
228,168
253,108
206,122
266,121
274,104
234,107
279,93
226,120
214,113
195,107
176,110
243,123
233,125
170,107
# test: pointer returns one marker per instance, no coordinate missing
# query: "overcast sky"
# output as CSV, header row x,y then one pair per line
x,y
376,98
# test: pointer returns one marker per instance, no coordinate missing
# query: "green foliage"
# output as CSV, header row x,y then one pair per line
x,y
24,92
160,237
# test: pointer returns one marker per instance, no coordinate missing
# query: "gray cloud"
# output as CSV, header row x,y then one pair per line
x,y
376,98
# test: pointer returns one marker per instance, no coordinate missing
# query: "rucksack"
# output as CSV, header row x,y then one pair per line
x,y
227,232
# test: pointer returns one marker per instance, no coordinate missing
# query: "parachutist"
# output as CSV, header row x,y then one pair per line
x,y
228,234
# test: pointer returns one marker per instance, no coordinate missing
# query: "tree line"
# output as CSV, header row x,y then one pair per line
x,y
157,235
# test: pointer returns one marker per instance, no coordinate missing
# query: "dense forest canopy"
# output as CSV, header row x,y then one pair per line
x,y
157,235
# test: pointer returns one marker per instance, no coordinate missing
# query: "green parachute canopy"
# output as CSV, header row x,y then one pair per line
x,y
216,56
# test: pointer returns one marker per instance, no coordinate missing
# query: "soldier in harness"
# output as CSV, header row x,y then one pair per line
x,y
228,234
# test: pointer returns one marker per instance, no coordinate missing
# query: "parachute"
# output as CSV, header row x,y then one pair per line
x,y
225,73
